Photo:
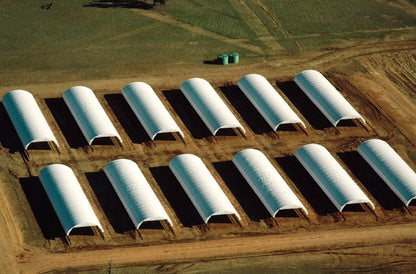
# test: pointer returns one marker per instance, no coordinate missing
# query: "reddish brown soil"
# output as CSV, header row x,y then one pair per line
x,y
379,79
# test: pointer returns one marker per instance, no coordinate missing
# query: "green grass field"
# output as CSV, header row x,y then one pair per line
x,y
98,39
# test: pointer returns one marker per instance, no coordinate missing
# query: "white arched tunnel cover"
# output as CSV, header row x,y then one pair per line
x,y
391,168
148,108
266,182
89,114
138,198
330,176
268,101
67,198
209,106
27,118
201,187
326,97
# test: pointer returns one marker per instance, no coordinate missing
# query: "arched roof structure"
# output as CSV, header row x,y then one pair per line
x,y
201,187
326,97
27,118
138,198
67,198
266,182
149,109
330,176
391,168
209,106
268,101
89,114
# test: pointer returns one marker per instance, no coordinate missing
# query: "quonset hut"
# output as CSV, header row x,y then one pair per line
x,y
132,188
331,177
89,114
67,198
326,97
150,111
391,168
266,182
27,118
209,106
267,101
201,187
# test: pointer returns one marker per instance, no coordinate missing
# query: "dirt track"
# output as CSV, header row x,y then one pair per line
x,y
299,243
377,78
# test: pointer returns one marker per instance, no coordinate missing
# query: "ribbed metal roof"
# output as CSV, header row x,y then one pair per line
x,y
391,168
132,188
27,118
201,187
149,109
330,176
67,198
266,182
89,114
209,106
326,97
268,101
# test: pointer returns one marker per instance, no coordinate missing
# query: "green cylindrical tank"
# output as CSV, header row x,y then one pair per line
x,y
234,58
222,59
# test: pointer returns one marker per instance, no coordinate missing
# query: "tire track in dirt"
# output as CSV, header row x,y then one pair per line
x,y
338,56
257,26
403,5
390,102
277,22
219,249
388,30
169,20
136,31
9,235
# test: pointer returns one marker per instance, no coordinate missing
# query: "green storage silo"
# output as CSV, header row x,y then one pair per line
x,y
222,59
234,58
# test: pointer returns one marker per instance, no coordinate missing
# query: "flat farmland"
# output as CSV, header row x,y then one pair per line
x,y
107,44
96,39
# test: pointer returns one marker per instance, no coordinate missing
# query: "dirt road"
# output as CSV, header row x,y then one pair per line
x,y
226,248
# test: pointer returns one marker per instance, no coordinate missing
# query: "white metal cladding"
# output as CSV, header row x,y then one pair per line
x,y
330,176
326,97
27,118
209,106
391,168
135,193
67,198
268,101
149,109
266,182
89,114
201,187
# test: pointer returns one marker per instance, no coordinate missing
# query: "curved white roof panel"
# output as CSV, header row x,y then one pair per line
x,y
149,109
209,106
326,97
27,118
266,182
89,114
391,168
330,176
268,101
201,187
67,198
138,198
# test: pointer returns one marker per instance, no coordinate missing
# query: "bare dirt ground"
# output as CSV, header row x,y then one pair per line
x,y
378,79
